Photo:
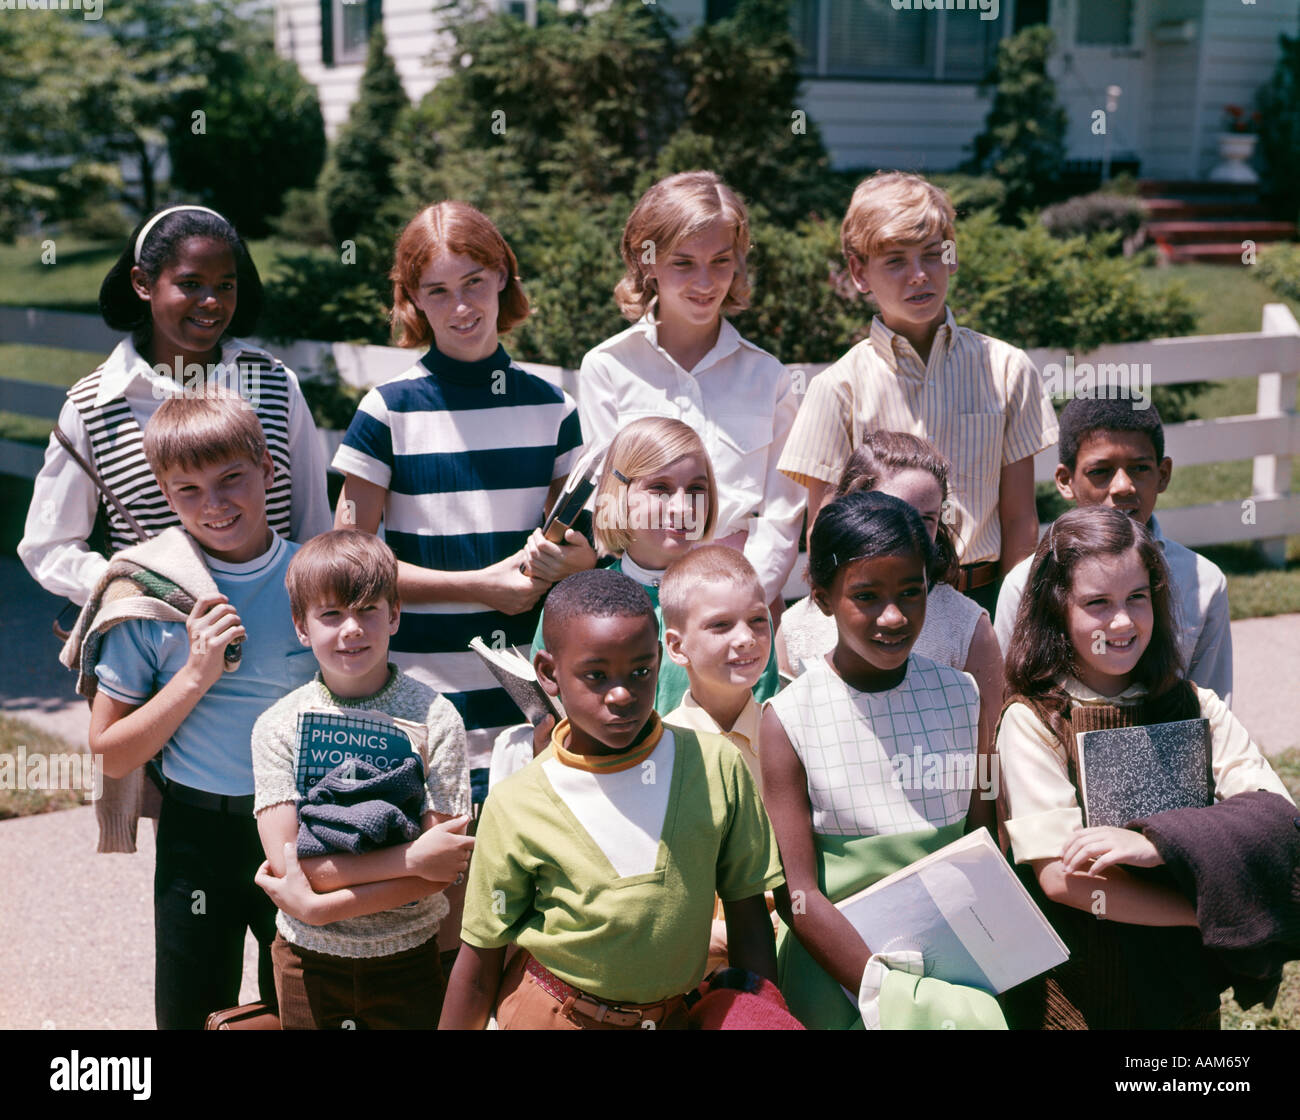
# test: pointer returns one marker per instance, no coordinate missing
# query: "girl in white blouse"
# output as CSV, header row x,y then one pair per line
x,y
684,248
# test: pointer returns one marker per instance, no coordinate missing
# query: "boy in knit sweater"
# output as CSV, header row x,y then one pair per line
x,y
356,943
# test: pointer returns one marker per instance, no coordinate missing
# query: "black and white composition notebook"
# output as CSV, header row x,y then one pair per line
x,y
1127,773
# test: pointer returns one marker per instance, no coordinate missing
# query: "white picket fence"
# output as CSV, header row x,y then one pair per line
x,y
1270,436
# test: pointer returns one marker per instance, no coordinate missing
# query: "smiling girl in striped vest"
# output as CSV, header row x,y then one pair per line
x,y
183,287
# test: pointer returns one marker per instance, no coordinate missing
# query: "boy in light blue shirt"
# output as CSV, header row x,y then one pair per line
x,y
193,689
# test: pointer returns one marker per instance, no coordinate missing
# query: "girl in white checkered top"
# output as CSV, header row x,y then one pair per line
x,y
870,758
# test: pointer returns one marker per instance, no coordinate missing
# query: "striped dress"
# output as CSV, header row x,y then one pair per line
x,y
467,452
117,445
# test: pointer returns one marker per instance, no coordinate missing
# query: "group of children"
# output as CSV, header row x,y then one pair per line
x,y
685,793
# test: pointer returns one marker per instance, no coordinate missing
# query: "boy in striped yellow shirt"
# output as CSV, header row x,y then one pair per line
x,y
979,400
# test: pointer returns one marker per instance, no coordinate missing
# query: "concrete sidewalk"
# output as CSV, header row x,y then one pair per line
x,y
77,927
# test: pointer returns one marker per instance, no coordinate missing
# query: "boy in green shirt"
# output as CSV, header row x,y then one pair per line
x,y
601,858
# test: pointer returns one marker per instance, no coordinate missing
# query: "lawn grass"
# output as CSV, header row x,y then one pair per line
x,y
14,733
71,282
1227,299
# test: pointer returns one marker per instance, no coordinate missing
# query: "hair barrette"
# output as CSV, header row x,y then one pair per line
x,y
620,476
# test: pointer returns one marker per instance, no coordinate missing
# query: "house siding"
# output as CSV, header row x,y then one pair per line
x,y
1170,103
924,126
410,26
913,126
1241,51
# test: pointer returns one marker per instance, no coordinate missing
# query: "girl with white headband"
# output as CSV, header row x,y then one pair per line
x,y
183,288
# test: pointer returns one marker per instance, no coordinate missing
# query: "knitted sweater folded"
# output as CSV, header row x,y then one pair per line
x,y
160,580
1239,862
357,807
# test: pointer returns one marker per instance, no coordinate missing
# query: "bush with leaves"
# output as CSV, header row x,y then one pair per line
x,y
803,307
357,183
1279,129
971,193
1023,142
261,133
326,295
1098,212
1279,267
1031,289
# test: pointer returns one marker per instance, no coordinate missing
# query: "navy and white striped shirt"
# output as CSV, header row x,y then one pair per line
x,y
467,452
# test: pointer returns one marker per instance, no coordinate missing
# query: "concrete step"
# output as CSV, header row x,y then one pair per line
x,y
1193,232
1181,209
1207,253
1198,189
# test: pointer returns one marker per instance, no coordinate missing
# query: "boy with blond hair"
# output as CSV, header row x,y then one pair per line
x,y
980,401
717,628
192,686
357,926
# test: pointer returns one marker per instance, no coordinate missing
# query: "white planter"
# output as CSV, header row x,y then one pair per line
x,y
1235,152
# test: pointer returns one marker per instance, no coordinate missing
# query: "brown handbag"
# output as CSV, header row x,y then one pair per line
x,y
247,1017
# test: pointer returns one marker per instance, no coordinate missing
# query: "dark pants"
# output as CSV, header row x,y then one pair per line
x,y
986,596
204,898
321,992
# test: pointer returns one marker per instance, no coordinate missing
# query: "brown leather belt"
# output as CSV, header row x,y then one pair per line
x,y
972,576
614,1015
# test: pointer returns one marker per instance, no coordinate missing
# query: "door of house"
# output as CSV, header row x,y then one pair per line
x,y
1101,43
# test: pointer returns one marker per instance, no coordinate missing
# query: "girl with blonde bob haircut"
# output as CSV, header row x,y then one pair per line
x,y
684,248
656,501
672,210
450,227
641,451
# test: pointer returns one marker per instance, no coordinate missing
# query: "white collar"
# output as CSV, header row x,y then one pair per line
x,y
1154,526
1080,691
247,568
126,363
729,339
646,577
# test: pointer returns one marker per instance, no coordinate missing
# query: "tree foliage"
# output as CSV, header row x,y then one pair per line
x,y
260,134
1279,130
1023,142
358,177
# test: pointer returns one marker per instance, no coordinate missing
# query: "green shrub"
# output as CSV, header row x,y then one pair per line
x,y
358,178
263,135
803,308
316,295
1279,267
1031,289
970,193
1099,212
302,218
1279,129
1023,142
